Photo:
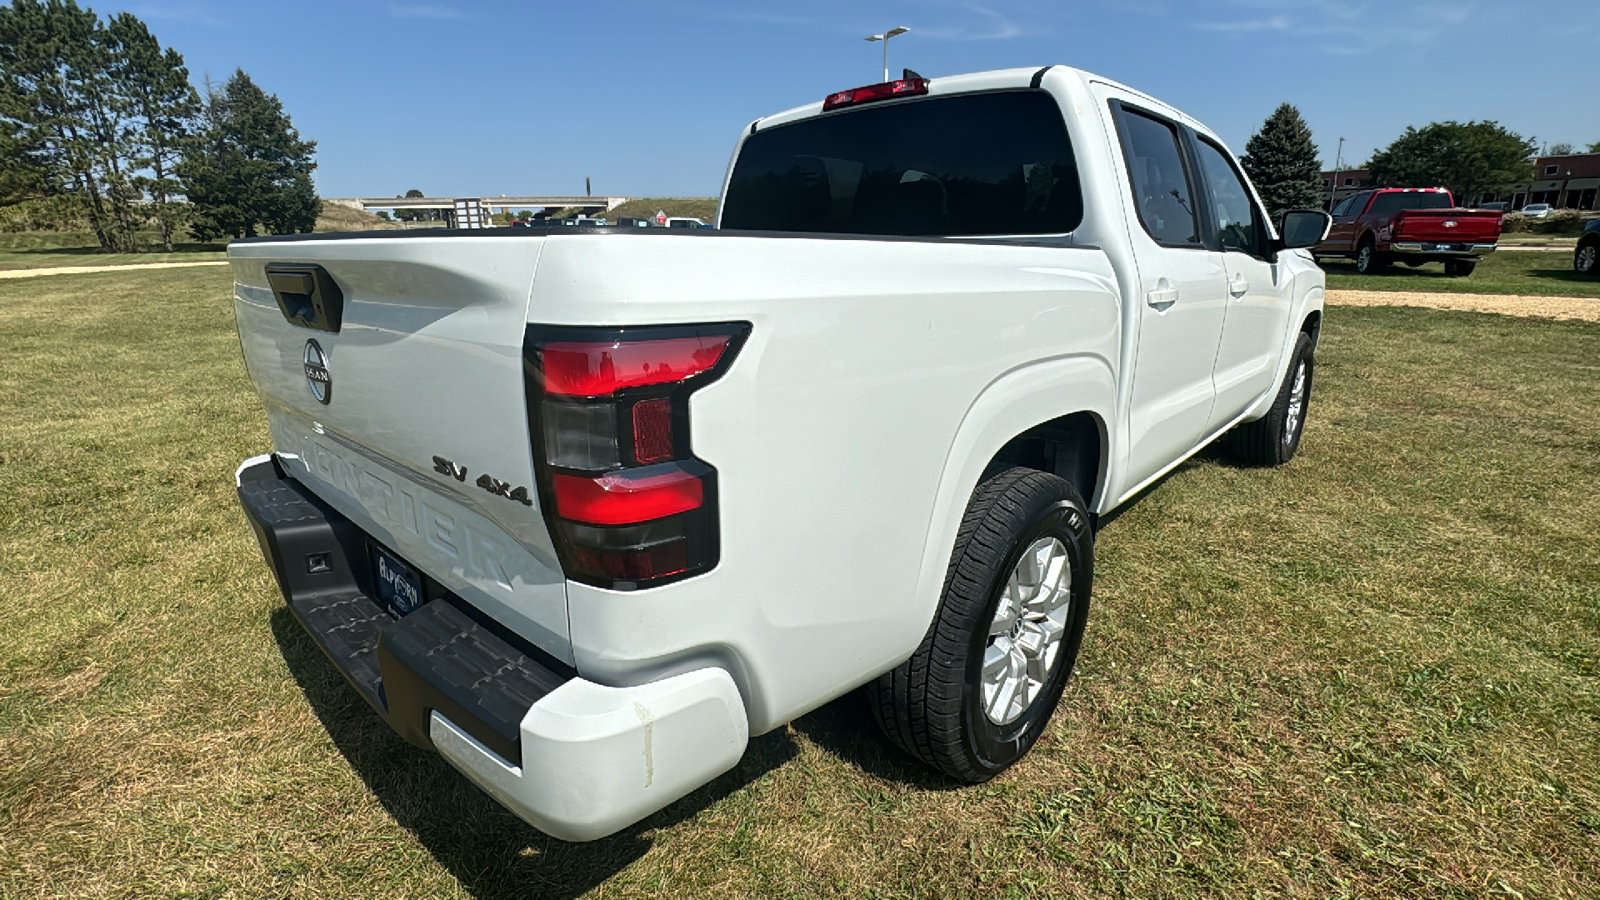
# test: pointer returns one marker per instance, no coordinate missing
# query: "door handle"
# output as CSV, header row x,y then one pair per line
x,y
1161,298
1238,286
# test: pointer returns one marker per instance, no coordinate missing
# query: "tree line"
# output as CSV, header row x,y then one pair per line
x,y
99,112
1468,158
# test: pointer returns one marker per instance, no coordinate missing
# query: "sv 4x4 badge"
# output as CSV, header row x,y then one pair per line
x,y
486,481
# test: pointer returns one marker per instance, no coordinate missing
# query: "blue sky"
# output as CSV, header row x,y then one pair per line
x,y
646,99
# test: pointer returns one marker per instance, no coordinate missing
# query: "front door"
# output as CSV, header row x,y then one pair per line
x,y
1258,295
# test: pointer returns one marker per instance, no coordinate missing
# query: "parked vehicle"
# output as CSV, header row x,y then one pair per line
x,y
1410,225
1537,210
685,222
1584,260
635,494
635,222
1499,206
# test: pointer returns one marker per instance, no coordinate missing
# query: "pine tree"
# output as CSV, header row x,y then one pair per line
x,y
161,102
1282,163
248,168
54,95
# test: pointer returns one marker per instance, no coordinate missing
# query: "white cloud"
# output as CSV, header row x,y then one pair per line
x,y
988,25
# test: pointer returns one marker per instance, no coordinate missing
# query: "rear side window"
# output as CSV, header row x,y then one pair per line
x,y
1161,192
1387,204
994,163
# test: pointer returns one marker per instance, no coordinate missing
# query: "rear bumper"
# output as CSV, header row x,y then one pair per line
x,y
575,759
1440,250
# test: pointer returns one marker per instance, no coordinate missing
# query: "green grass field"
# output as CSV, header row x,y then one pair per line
x,y
1538,272
1374,672
46,249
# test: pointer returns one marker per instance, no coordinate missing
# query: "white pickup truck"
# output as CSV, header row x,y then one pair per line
x,y
582,509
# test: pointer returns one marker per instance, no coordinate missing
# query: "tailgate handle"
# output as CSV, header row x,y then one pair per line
x,y
307,296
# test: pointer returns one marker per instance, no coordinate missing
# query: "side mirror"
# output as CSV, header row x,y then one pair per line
x,y
1303,228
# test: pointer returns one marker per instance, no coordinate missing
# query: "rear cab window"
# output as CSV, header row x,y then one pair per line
x,y
998,163
1394,201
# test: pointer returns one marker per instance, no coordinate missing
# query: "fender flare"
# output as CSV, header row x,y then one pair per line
x,y
1313,302
1010,405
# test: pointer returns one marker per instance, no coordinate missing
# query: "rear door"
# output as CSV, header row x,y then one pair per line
x,y
1258,295
1182,294
410,415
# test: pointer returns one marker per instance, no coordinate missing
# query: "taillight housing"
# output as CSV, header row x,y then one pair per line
x,y
628,504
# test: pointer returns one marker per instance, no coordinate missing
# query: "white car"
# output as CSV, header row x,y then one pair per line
x,y
686,222
1537,210
584,509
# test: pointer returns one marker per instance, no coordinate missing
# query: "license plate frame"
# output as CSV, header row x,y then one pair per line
x,y
397,583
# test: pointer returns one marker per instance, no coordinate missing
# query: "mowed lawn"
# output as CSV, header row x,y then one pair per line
x,y
1536,272
1375,672
48,249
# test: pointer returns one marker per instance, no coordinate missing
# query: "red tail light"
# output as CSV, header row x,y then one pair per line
x,y
627,503
905,87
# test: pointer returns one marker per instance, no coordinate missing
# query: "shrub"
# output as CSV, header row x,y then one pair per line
x,y
1513,222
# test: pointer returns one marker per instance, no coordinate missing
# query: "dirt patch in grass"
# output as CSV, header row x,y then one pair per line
x,y
1584,308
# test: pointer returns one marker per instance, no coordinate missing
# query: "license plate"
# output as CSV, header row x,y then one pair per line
x,y
399,585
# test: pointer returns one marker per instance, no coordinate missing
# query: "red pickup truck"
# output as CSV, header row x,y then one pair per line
x,y
1409,225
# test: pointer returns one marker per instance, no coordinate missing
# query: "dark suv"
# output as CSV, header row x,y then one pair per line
x,y
1585,261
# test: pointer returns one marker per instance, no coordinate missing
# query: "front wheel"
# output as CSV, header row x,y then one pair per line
x,y
1587,260
1459,268
1273,439
980,689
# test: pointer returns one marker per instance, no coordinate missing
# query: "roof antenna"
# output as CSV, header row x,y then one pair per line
x,y
909,75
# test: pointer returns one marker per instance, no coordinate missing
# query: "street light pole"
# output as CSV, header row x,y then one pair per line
x,y
885,38
1335,187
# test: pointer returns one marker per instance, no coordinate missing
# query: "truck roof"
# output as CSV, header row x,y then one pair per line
x,y
992,80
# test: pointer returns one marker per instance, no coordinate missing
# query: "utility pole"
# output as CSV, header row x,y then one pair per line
x,y
885,38
1334,189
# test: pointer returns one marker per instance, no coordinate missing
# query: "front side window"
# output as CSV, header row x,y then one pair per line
x,y
996,163
1231,206
1161,193
1350,205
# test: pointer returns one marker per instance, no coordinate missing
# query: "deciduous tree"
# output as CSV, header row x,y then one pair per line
x,y
1466,157
1282,162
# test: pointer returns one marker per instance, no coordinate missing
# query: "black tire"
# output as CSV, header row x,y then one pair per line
x,y
1586,260
1459,268
1368,260
931,705
1273,439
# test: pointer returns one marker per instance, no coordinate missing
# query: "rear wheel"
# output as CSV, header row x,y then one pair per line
x,y
1459,268
1587,260
978,692
1368,260
1273,439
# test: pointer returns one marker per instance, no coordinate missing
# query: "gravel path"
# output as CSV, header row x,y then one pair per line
x,y
1587,308
78,270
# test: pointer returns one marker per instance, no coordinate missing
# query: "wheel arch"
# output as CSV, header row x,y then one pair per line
x,y
1053,415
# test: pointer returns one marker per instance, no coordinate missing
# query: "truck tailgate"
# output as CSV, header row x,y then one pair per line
x,y
423,396
1479,226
